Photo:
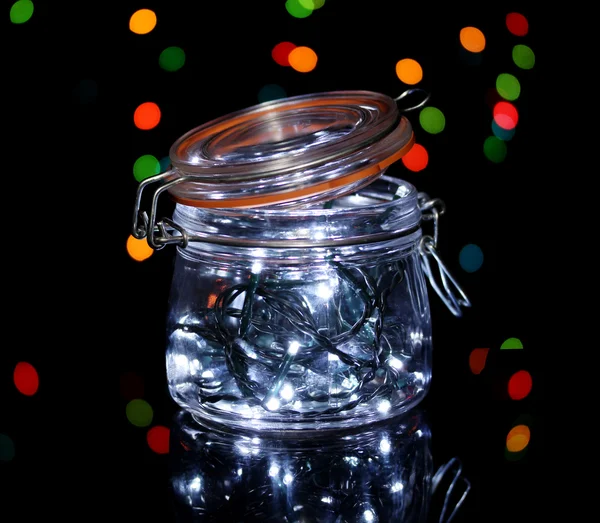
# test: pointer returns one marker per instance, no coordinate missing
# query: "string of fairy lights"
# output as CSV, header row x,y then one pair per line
x,y
303,59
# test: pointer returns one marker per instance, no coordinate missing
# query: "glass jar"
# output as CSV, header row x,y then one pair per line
x,y
298,296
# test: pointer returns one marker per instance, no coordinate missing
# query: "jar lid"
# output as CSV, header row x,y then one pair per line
x,y
291,152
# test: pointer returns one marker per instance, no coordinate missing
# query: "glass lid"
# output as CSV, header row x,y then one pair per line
x,y
290,152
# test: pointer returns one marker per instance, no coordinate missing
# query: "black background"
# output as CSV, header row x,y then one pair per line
x,y
84,313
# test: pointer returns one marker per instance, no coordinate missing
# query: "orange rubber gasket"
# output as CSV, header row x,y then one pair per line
x,y
258,201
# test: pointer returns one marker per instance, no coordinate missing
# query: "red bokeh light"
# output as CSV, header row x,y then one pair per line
x,y
517,24
158,439
26,378
506,115
519,385
281,53
477,360
416,159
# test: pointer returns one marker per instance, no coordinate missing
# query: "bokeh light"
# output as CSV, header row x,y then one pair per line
x,y
494,149
511,343
520,385
142,21
409,71
506,135
523,56
432,120
296,9
416,159
146,116
21,11
472,39
158,439
86,91
270,92
131,386
26,378
517,24
281,53
477,360
145,166
518,438
7,448
172,59
471,258
506,115
313,5
139,413
508,86
165,163
139,250
303,59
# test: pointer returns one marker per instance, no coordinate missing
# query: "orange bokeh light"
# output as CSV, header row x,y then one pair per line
x,y
409,71
518,438
147,116
472,39
303,59
139,250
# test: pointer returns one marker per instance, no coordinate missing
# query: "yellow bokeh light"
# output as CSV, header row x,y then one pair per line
x,y
409,71
518,438
472,39
142,21
303,59
139,250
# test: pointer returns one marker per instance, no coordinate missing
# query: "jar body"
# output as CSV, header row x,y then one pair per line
x,y
282,338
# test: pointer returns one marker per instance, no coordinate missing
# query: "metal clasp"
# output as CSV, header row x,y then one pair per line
x,y
431,210
435,483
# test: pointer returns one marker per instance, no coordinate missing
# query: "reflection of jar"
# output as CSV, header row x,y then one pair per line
x,y
377,475
298,298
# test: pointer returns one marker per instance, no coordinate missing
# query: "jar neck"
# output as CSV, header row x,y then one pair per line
x,y
385,211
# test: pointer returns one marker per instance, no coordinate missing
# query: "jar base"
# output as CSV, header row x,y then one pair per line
x,y
361,416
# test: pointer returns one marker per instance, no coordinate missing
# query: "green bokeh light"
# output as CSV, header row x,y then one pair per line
x,y
21,11
145,166
512,343
296,9
139,413
312,4
271,92
506,135
7,448
523,56
508,87
494,149
432,120
172,59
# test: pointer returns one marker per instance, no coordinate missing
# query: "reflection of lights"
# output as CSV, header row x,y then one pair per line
x,y
196,484
327,499
352,460
324,291
332,357
274,470
240,472
384,445
288,478
208,374
477,360
519,385
512,343
293,348
397,487
257,267
368,515
273,404
384,406
287,392
395,363
255,441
